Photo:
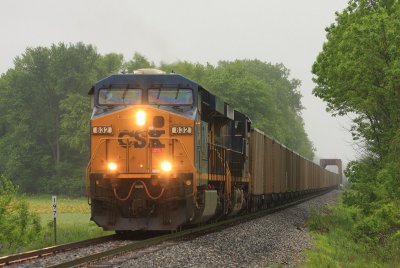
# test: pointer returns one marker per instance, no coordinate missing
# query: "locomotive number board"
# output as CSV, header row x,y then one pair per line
x,y
181,130
102,130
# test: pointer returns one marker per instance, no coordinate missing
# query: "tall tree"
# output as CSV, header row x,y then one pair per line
x,y
358,72
36,97
261,90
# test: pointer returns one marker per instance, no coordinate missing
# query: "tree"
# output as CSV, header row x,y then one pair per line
x,y
358,72
74,122
138,61
43,98
261,90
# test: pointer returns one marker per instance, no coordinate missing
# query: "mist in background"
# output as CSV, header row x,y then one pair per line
x,y
288,32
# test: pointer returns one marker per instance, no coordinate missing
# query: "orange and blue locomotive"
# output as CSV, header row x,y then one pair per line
x,y
165,153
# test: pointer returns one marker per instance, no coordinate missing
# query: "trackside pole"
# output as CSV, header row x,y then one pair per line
x,y
54,198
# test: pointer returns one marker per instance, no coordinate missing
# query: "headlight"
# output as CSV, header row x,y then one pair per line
x,y
166,166
140,118
112,166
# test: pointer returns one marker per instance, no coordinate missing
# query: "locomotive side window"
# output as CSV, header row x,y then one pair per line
x,y
120,96
170,96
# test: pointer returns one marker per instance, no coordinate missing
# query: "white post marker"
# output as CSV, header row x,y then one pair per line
x,y
54,198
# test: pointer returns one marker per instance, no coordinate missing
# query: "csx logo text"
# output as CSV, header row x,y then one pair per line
x,y
140,138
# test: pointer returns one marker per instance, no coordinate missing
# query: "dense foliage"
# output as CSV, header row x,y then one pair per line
x,y
44,124
337,244
18,226
261,90
358,72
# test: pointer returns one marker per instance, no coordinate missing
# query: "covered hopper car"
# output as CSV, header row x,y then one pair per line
x,y
165,153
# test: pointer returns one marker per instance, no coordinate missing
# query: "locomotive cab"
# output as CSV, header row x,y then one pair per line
x,y
142,167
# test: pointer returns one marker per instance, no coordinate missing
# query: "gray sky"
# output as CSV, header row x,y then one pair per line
x,y
285,31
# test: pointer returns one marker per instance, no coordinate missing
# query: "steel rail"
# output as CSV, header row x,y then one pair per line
x,y
20,257
181,234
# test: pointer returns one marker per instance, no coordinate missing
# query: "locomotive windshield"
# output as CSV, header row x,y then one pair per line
x,y
120,96
172,99
170,96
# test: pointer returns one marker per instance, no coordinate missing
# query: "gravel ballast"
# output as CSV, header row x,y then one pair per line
x,y
278,238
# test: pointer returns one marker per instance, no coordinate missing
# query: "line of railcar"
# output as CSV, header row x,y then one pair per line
x,y
165,152
279,173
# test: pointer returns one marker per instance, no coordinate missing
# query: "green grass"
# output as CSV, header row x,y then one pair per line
x,y
72,227
73,222
42,204
336,250
335,243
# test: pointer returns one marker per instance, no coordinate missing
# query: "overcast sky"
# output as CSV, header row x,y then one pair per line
x,y
281,31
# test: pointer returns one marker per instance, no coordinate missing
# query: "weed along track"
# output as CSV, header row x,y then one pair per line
x,y
115,249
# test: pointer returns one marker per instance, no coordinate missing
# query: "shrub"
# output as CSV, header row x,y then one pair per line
x,y
18,226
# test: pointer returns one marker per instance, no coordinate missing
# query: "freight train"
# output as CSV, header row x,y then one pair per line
x,y
166,153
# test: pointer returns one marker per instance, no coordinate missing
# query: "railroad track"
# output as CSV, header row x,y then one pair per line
x,y
54,249
141,244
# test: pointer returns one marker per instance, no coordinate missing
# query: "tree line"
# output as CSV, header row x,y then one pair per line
x,y
358,73
45,109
